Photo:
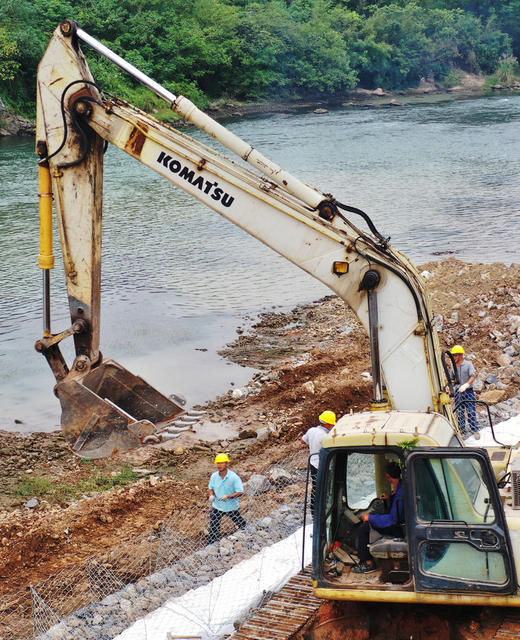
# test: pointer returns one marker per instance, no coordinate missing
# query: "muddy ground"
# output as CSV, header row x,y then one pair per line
x,y
53,513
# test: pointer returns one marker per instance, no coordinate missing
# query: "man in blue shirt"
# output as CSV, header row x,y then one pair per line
x,y
389,524
465,394
225,489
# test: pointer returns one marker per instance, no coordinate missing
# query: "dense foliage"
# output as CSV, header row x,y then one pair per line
x,y
260,49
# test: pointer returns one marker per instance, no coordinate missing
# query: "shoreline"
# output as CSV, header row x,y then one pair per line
x,y
224,109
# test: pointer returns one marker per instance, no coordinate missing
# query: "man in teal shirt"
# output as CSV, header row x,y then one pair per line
x,y
225,489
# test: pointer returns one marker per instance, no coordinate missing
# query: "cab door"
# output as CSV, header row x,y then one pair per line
x,y
458,538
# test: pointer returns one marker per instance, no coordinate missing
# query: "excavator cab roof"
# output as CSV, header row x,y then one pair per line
x,y
386,428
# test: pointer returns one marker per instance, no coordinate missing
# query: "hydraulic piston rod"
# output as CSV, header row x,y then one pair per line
x,y
46,257
193,114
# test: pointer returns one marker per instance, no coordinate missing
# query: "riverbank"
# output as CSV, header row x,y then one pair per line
x,y
470,86
58,510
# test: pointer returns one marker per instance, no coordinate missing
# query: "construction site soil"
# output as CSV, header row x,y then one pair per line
x,y
313,358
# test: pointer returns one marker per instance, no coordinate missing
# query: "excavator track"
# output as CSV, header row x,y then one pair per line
x,y
285,613
289,610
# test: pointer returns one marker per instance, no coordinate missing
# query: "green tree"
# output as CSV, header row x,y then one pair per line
x,y
9,56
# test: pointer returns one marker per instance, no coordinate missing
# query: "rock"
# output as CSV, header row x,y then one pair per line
x,y
320,111
105,518
247,433
308,387
493,396
32,503
503,359
378,92
125,604
478,385
426,274
239,394
438,321
262,434
266,522
491,379
279,476
141,471
256,485
178,451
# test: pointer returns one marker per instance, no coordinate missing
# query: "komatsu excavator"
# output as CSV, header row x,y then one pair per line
x,y
462,530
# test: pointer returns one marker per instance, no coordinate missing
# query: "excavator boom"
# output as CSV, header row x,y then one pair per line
x,y
106,408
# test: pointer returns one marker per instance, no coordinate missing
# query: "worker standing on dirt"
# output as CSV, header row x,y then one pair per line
x,y
225,489
313,439
464,393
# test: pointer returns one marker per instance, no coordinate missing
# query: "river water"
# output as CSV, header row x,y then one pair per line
x,y
440,179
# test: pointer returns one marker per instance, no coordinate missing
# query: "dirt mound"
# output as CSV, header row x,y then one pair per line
x,y
313,358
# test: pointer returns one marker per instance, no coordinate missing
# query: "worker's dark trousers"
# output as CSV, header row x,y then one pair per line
x,y
215,517
364,537
465,404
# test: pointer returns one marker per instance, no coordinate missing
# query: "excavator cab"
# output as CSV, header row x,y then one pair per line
x,y
454,537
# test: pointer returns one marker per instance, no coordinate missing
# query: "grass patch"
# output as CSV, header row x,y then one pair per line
x,y
39,486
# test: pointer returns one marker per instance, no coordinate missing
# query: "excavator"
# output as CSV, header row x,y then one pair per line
x,y
461,542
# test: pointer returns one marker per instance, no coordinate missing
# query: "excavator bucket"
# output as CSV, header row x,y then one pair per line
x,y
109,410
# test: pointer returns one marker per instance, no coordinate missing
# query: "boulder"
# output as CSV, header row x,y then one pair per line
x,y
279,476
492,397
256,485
503,359
308,387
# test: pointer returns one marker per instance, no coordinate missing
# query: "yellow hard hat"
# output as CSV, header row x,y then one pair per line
x,y
458,349
221,457
328,417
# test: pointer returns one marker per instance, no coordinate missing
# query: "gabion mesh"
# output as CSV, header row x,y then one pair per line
x,y
104,596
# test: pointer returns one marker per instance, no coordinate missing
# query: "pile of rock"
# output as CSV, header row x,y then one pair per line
x,y
117,611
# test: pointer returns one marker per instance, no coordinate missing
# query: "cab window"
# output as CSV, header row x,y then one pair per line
x,y
452,489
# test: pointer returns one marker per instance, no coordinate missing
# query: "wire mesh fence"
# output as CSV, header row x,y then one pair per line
x,y
102,597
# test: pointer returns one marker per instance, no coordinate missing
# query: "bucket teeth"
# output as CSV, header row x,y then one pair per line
x,y
174,429
167,435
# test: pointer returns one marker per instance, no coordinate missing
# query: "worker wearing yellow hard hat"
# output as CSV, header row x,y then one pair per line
x,y
225,488
221,457
313,439
457,349
465,407
328,417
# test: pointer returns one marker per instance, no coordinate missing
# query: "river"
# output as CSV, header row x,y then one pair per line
x,y
440,179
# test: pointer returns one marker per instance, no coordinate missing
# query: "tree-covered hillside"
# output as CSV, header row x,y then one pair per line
x,y
261,49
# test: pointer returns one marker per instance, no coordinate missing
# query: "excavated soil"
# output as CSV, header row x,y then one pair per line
x,y
316,357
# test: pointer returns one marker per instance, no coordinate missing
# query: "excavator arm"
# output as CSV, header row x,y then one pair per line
x,y
105,408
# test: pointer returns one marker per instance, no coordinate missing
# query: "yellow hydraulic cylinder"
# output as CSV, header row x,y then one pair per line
x,y
46,257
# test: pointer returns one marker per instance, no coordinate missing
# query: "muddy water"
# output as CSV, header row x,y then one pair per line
x,y
177,278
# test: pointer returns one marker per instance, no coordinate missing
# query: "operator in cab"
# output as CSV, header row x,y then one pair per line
x,y
388,524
